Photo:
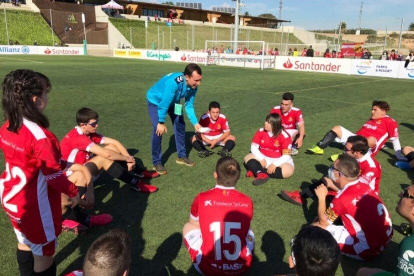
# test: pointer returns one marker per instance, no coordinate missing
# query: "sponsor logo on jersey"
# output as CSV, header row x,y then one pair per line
x,y
404,263
207,203
179,79
234,266
370,127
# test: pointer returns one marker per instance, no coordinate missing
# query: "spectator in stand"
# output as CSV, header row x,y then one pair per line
x,y
221,49
393,55
229,50
245,51
340,54
314,252
366,54
238,51
309,52
35,43
295,52
334,54
408,59
304,52
276,52
327,54
10,42
290,52
384,55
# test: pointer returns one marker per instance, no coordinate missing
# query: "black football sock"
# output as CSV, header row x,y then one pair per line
x,y
25,261
309,192
328,139
51,271
76,214
122,163
198,146
254,166
93,169
119,172
229,145
277,174
410,156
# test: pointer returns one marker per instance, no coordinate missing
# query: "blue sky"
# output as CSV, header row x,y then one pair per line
x,y
319,14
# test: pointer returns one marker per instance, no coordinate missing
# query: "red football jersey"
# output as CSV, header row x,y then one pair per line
x,y
370,171
224,215
75,273
271,146
216,127
365,217
290,119
382,129
32,182
76,145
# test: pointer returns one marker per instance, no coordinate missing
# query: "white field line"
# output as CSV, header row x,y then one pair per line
x,y
22,60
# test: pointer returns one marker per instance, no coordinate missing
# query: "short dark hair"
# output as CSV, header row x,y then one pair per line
x,y
84,115
348,165
276,123
190,68
288,96
213,104
359,143
315,252
109,255
382,104
19,87
228,171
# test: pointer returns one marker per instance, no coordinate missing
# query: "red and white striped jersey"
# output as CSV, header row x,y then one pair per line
x,y
370,171
217,127
290,119
76,146
32,182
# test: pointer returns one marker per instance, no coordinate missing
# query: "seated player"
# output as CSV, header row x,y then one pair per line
x,y
292,120
218,135
109,255
408,152
378,129
269,155
357,147
367,226
314,252
218,236
82,146
405,265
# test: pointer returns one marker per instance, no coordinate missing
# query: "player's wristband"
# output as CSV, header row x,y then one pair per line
x,y
161,123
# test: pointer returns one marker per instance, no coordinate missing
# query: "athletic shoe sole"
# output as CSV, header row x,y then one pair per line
x,y
185,163
286,197
160,172
260,181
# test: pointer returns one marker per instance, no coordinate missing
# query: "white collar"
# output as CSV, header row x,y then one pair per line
x,y
365,157
79,130
224,187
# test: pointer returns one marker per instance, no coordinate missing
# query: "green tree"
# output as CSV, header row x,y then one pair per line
x,y
246,13
411,26
267,15
169,3
343,27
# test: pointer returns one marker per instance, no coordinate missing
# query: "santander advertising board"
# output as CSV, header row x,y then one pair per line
x,y
323,65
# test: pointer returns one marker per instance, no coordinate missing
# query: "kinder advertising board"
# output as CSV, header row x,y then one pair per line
x,y
61,51
377,68
320,65
240,61
406,72
18,50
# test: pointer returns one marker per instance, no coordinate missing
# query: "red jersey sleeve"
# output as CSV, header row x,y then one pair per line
x,y
48,158
225,125
96,138
257,137
392,129
299,117
286,145
81,142
194,208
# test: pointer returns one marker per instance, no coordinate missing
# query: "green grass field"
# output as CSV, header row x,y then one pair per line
x,y
116,89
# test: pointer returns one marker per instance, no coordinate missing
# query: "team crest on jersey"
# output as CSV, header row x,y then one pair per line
x,y
225,192
218,126
276,143
290,119
378,122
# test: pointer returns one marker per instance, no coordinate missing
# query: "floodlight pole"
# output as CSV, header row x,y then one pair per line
x,y
51,27
236,26
85,43
399,40
5,21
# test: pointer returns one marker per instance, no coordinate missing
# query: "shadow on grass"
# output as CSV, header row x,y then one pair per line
x,y
273,247
172,147
410,173
407,125
322,168
387,260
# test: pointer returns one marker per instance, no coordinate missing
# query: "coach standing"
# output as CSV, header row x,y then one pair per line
x,y
163,98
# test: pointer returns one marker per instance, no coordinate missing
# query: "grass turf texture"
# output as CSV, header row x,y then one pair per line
x,y
116,89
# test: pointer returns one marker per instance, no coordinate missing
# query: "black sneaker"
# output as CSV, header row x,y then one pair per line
x,y
205,153
224,153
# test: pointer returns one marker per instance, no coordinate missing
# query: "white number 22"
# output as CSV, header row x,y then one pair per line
x,y
14,173
215,227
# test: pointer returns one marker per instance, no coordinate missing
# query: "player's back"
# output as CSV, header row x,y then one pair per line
x,y
370,172
225,216
26,197
366,217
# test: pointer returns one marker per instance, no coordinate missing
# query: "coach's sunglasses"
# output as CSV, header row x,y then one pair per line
x,y
94,124
335,169
406,194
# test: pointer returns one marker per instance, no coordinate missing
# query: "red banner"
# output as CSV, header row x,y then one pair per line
x,y
352,49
